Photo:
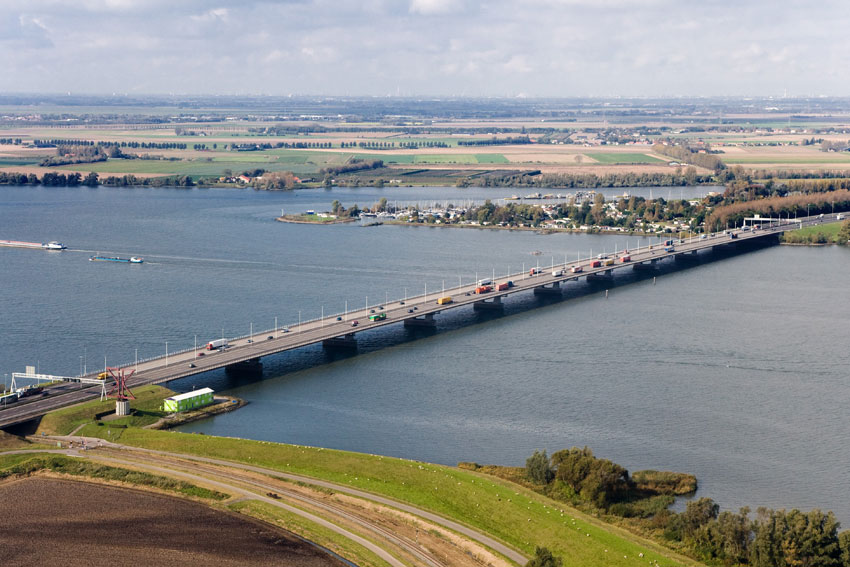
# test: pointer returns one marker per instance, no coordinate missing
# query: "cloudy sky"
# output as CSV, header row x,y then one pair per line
x,y
427,47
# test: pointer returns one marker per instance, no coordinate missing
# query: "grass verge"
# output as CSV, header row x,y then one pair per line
x,y
512,513
146,408
24,465
310,531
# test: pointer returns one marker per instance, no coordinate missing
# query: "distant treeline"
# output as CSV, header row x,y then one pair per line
x,y
53,179
588,180
797,205
66,155
145,145
686,155
353,165
496,141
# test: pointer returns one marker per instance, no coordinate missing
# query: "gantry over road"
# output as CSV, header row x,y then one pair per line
x,y
339,330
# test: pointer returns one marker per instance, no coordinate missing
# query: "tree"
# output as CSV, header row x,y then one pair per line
x,y
844,544
544,558
844,234
537,468
91,179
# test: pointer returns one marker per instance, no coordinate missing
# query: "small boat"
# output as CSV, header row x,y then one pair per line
x,y
54,246
512,198
131,260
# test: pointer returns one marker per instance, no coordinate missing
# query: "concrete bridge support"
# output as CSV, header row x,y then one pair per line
x,y
425,321
554,290
252,367
647,266
605,276
344,342
494,304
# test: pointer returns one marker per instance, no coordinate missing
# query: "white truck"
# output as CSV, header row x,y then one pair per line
x,y
216,344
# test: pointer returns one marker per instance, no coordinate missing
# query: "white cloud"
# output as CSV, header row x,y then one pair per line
x,y
435,7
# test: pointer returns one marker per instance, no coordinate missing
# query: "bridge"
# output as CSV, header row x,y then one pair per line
x,y
340,330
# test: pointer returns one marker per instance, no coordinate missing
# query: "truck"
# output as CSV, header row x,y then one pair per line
x,y
377,317
625,258
485,281
503,286
668,243
733,235
444,300
534,271
483,289
839,216
576,269
609,262
557,273
103,376
596,264
216,344
669,249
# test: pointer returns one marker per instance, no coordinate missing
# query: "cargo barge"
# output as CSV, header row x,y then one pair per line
x,y
131,260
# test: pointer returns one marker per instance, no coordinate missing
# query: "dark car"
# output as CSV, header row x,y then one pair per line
x,y
354,323
339,318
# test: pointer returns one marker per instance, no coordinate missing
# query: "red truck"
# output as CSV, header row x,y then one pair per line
x,y
596,264
502,287
483,289
575,269
625,259
534,271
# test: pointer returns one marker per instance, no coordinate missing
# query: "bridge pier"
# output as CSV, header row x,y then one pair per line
x,y
605,276
646,266
345,342
543,290
494,304
425,321
251,366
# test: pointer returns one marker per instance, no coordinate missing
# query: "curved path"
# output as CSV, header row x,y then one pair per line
x,y
471,533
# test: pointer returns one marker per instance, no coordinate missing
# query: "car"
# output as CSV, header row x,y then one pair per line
x,y
467,293
250,341
381,307
201,354
284,330
401,302
269,338
410,310
191,365
415,308
339,318
371,311
354,323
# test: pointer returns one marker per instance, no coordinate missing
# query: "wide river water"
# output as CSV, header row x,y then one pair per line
x,y
735,370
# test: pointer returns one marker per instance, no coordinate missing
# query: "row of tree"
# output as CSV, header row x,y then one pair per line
x,y
535,179
686,154
496,141
353,165
50,178
795,205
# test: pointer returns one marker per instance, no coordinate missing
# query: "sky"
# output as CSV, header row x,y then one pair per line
x,y
493,48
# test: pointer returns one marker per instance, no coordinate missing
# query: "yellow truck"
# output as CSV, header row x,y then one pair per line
x,y
444,300
103,376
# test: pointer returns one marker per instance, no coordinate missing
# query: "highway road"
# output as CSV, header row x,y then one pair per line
x,y
190,362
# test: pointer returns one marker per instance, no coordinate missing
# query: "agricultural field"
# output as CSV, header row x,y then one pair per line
x,y
623,158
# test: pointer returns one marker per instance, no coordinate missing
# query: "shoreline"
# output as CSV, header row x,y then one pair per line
x,y
295,220
224,404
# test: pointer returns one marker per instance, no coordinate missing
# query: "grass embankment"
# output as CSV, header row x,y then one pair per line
x,y
25,465
309,530
820,234
146,411
313,219
12,442
510,512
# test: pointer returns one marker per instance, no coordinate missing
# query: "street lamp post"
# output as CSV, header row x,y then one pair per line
x,y
166,355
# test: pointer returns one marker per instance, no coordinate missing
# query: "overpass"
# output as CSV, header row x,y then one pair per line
x,y
340,330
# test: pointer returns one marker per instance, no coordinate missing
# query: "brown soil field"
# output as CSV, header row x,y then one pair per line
x,y
47,521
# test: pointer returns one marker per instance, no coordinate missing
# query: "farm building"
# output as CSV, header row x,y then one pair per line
x,y
189,400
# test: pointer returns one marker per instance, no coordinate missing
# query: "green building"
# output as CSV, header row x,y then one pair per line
x,y
189,400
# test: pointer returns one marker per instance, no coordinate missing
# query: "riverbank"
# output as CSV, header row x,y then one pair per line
x,y
313,219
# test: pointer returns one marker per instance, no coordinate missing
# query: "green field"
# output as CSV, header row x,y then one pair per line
x,y
820,234
622,158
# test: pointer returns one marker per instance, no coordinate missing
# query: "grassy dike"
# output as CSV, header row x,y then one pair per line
x,y
511,513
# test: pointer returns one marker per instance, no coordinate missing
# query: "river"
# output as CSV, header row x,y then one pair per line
x,y
734,370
